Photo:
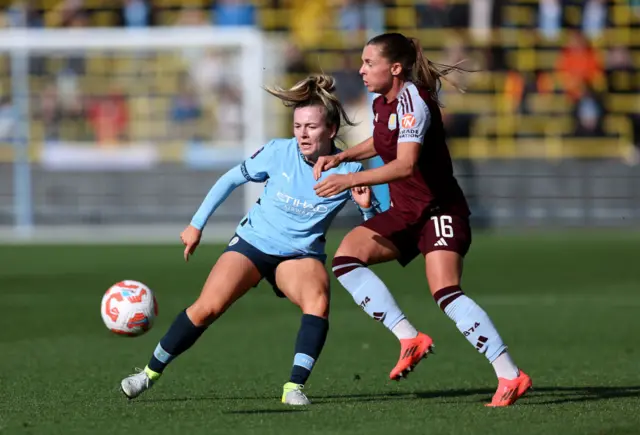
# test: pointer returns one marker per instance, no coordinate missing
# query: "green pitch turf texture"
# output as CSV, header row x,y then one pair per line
x,y
568,304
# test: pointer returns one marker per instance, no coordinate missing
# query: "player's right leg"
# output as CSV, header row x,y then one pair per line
x,y
230,278
305,282
367,245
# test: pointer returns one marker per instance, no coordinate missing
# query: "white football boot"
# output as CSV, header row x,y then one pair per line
x,y
292,395
134,385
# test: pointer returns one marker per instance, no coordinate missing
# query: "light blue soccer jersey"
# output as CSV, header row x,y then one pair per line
x,y
289,219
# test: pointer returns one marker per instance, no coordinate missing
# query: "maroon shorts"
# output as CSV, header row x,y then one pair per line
x,y
440,232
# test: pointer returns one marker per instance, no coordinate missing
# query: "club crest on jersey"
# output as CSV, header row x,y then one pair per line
x,y
393,122
408,121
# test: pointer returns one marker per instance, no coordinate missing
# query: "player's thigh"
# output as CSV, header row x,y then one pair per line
x,y
367,245
305,282
444,241
231,277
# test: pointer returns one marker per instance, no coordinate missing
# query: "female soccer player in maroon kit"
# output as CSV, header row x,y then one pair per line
x,y
428,213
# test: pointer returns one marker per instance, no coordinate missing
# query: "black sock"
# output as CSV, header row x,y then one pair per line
x,y
180,337
309,344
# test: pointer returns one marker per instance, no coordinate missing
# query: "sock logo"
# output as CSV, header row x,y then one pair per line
x,y
364,303
379,316
481,342
470,330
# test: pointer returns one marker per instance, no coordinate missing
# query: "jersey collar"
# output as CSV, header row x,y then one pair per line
x,y
404,88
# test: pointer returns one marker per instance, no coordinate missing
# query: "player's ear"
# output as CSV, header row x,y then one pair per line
x,y
396,69
334,130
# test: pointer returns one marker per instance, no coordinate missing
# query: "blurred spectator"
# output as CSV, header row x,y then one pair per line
x,y
360,20
185,110
136,13
349,86
234,13
481,18
22,13
68,90
109,117
432,14
191,17
8,119
50,112
594,18
520,84
294,60
229,118
456,53
65,13
620,70
213,69
589,114
309,22
351,91
578,65
550,19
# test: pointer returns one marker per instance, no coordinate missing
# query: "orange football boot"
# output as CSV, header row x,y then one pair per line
x,y
510,390
412,351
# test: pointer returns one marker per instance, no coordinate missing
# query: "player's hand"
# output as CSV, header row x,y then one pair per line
x,y
333,185
191,239
324,163
362,196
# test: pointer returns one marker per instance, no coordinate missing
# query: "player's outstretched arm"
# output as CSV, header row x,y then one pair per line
x,y
401,167
364,150
217,195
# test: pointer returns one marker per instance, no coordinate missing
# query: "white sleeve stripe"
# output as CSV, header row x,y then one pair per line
x,y
403,109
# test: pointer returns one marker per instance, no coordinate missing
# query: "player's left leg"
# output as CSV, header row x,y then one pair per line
x,y
306,283
444,271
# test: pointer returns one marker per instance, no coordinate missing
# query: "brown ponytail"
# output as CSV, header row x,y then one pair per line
x,y
395,47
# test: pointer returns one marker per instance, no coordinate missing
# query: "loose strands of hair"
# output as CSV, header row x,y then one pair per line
x,y
314,90
430,74
396,47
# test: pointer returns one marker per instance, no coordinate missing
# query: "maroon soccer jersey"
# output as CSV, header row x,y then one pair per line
x,y
415,117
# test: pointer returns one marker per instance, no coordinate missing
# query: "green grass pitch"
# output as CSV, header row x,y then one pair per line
x,y
568,305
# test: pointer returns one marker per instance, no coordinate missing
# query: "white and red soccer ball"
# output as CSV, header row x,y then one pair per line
x,y
129,308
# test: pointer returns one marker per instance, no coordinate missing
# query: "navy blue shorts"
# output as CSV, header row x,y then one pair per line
x,y
265,263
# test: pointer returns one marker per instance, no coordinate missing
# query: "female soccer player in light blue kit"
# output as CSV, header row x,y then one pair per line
x,y
282,238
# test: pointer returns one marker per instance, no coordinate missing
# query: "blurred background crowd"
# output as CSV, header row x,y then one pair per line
x,y
547,131
546,68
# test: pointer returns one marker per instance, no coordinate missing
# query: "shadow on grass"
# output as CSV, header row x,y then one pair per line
x,y
537,396
266,411
544,395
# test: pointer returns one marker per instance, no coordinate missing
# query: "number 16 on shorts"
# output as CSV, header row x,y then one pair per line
x,y
442,226
450,233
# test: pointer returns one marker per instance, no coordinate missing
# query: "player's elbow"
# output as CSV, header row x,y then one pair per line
x,y
406,168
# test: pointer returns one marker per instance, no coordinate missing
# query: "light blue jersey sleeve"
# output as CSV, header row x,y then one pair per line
x,y
217,195
255,168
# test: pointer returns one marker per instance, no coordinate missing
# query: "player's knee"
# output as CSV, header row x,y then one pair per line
x,y
316,302
204,313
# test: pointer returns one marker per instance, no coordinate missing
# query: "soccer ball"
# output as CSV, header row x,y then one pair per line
x,y
129,308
